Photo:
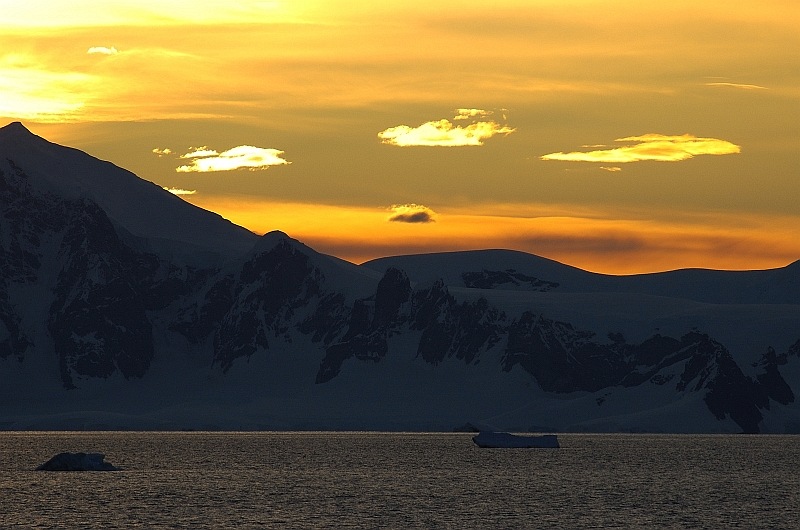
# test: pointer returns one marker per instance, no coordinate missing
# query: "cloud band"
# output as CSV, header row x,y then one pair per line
x,y
658,147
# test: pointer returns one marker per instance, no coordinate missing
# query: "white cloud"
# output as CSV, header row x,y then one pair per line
x,y
162,152
102,50
658,147
205,160
200,152
741,86
466,114
443,133
179,191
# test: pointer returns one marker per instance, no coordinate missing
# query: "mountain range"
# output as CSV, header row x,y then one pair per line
x,y
124,307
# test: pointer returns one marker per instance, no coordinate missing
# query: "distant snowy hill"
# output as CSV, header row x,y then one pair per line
x,y
513,270
122,306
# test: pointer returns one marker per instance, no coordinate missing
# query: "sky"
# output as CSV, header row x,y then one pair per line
x,y
616,136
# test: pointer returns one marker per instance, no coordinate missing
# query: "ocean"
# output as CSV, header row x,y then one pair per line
x,y
400,480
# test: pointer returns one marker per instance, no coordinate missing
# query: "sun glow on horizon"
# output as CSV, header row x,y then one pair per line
x,y
561,117
84,13
587,239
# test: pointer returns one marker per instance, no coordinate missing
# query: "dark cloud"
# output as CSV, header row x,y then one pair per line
x,y
416,217
412,213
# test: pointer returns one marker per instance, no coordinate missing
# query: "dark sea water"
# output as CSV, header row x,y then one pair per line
x,y
391,480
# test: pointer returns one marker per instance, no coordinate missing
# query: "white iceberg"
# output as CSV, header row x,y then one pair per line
x,y
504,439
77,462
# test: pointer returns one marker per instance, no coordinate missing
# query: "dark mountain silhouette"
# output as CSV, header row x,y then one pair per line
x,y
122,306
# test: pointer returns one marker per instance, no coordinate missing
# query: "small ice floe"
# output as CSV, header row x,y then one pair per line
x,y
77,462
504,439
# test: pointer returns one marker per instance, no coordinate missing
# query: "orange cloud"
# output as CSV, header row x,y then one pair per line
x,y
659,147
85,13
242,157
443,133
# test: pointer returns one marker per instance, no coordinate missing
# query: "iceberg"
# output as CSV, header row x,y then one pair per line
x,y
504,439
77,462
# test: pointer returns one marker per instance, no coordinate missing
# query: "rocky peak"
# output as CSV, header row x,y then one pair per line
x,y
15,130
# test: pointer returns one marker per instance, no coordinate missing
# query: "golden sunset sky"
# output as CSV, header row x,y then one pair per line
x,y
616,136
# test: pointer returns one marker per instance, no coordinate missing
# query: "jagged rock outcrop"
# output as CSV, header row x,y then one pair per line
x,y
370,323
451,329
271,287
771,382
489,279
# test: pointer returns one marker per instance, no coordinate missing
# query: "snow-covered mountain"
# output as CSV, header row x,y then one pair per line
x,y
122,306
141,208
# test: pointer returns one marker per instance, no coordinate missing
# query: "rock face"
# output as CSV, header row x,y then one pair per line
x,y
488,279
77,462
97,314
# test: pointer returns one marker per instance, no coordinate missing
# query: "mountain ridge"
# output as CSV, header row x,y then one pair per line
x,y
101,327
776,285
71,173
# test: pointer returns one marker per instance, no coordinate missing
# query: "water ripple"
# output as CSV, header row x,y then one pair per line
x,y
401,480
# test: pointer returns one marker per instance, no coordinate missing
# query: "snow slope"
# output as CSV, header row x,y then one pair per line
x,y
170,224
774,286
